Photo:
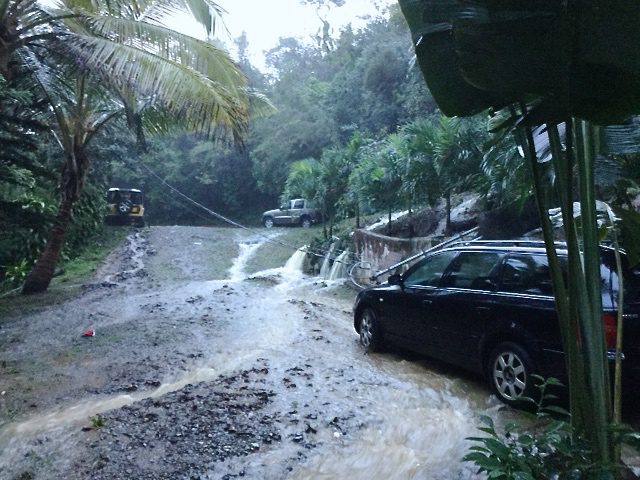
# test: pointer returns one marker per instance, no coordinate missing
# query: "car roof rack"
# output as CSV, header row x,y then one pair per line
x,y
457,241
508,243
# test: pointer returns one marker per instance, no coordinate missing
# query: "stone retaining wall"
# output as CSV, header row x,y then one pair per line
x,y
382,251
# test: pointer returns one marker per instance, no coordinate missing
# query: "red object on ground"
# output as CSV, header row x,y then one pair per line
x,y
89,333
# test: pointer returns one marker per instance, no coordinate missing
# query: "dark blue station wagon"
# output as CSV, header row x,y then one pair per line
x,y
489,307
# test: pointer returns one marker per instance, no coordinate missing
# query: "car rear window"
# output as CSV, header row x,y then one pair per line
x,y
117,195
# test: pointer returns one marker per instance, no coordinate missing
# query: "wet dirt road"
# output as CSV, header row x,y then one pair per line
x,y
196,372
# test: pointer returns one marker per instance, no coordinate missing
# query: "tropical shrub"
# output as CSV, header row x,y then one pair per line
x,y
547,447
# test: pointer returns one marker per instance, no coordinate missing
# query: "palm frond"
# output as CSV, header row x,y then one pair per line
x,y
607,171
191,95
194,53
206,13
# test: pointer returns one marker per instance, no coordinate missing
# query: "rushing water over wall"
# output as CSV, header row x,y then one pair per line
x,y
297,260
339,268
326,263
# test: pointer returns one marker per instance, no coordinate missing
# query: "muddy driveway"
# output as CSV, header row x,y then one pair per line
x,y
199,369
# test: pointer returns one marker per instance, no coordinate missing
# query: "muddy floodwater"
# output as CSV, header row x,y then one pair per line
x,y
195,372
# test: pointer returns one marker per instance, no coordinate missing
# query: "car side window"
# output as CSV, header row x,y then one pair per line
x,y
428,272
474,270
298,204
528,274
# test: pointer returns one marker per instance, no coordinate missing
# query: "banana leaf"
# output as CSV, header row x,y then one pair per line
x,y
578,58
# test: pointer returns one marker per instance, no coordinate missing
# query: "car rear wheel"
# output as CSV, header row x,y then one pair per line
x,y
510,373
305,222
370,334
268,222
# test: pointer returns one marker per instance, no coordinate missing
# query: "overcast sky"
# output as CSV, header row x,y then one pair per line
x,y
265,21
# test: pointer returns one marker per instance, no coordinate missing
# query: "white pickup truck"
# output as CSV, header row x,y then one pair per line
x,y
295,212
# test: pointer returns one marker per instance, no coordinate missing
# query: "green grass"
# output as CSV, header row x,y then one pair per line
x,y
76,272
81,269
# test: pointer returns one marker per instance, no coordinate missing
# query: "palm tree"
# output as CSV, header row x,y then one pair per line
x,y
447,155
377,179
148,67
302,180
333,180
505,178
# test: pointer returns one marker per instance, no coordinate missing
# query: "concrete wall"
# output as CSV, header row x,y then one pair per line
x,y
382,251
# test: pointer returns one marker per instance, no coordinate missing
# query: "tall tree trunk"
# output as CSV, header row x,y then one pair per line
x,y
9,36
40,277
71,184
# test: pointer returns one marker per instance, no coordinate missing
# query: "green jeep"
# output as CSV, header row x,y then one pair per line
x,y
125,206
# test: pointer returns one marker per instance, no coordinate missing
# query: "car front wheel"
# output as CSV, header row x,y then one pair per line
x,y
510,374
268,222
370,334
305,222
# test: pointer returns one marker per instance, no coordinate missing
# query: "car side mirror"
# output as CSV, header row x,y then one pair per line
x,y
395,279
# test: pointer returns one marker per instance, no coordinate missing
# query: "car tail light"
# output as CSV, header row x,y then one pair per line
x,y
610,329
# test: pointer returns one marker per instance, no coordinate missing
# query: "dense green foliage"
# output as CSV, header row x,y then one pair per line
x,y
324,98
29,189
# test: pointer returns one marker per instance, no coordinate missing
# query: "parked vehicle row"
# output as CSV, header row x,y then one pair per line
x,y
489,307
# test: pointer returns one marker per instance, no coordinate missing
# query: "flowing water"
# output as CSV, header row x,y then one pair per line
x,y
340,266
414,415
297,261
326,263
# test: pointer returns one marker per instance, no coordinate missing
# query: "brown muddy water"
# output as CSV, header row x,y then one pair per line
x,y
174,331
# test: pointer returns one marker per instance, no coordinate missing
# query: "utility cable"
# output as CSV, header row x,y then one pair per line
x,y
268,238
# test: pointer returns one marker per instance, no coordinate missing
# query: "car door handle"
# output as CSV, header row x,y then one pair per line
x,y
427,302
482,310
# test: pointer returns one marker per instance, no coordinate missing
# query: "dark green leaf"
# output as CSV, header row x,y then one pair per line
x,y
492,53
